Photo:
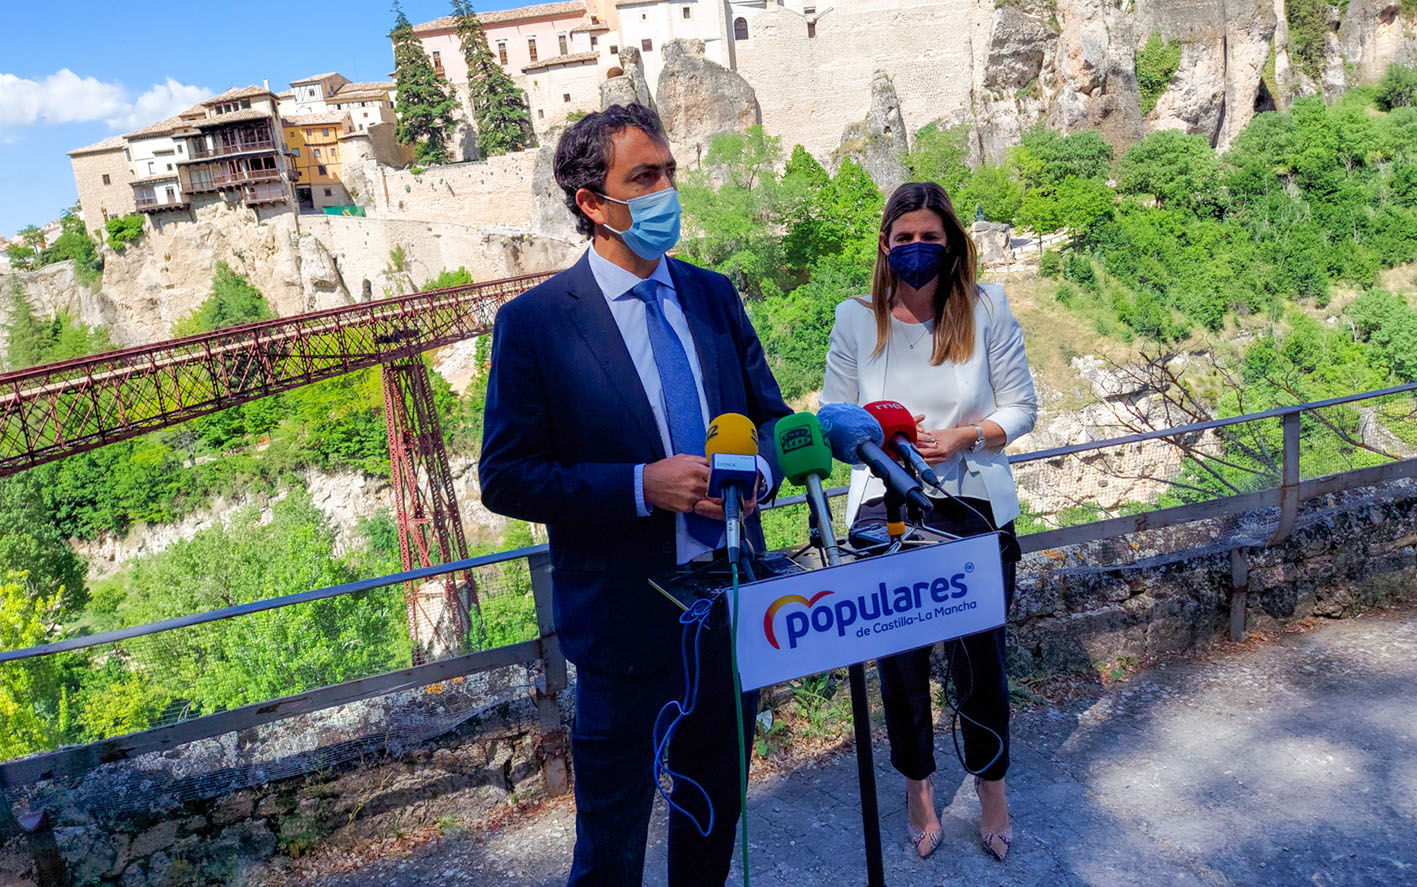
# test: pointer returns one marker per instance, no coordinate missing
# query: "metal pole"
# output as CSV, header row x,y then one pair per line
x,y
860,710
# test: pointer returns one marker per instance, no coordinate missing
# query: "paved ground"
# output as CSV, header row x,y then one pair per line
x,y
1285,763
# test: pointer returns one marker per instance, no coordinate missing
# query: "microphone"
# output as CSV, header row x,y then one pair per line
x,y
899,427
732,450
856,437
805,458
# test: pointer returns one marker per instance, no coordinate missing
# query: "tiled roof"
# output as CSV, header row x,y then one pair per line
x,y
329,118
161,128
242,116
590,28
365,88
288,94
115,143
572,59
521,13
324,76
238,92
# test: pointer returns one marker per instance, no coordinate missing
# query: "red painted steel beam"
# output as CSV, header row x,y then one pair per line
x,y
52,411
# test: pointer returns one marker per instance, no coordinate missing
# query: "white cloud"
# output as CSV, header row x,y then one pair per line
x,y
163,100
65,97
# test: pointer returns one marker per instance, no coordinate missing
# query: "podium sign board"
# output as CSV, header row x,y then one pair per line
x,y
813,622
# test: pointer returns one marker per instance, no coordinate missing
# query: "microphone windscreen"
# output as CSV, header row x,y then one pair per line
x,y
895,419
731,433
802,448
847,426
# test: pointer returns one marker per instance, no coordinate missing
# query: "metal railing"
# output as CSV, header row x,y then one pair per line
x,y
1256,461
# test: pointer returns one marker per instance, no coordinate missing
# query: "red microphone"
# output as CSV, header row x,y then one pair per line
x,y
899,427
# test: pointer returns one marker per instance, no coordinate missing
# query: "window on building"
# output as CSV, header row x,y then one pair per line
x,y
437,61
328,193
531,47
297,152
593,41
740,28
540,115
502,51
126,156
325,133
688,12
809,10
647,45
644,17
565,96
811,29
150,168
561,43
334,152
179,147
321,170
169,167
614,50
317,153
292,134
245,104
105,179
171,194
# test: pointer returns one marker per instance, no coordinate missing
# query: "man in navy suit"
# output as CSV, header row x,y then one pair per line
x,y
602,382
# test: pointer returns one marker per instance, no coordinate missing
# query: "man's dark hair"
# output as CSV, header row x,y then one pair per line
x,y
584,154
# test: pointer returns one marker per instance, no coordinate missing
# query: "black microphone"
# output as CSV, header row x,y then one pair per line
x,y
856,437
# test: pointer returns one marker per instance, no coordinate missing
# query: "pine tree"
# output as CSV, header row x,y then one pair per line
x,y
425,102
499,108
29,338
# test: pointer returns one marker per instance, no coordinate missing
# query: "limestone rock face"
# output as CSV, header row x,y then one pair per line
x,y
631,86
879,141
55,288
1009,78
699,99
1373,34
323,286
1017,49
1095,65
550,215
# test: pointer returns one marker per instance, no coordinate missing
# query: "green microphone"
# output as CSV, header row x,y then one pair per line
x,y
805,458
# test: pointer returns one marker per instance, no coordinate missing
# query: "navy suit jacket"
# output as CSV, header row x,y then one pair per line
x,y
566,422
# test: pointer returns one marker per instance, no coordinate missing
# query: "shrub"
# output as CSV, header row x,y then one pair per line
x,y
1157,62
123,230
1051,264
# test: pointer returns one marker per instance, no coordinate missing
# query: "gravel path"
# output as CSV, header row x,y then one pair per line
x,y
1283,762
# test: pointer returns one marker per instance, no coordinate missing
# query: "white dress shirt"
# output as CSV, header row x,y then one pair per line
x,y
995,384
629,313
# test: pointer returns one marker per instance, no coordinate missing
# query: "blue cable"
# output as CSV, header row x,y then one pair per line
x,y
695,617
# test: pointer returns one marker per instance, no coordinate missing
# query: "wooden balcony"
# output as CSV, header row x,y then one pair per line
x,y
239,146
218,179
264,192
154,205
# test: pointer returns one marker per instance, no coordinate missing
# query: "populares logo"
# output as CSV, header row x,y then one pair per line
x,y
875,612
782,602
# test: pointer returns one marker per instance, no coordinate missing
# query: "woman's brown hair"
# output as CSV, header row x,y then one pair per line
x,y
957,289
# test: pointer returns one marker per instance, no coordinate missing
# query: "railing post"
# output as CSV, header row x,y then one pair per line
x,y
49,868
1239,591
554,740
1289,491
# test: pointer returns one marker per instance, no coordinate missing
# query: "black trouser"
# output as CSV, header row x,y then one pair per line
x,y
613,754
976,665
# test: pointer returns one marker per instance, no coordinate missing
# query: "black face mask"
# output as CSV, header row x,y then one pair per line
x,y
917,263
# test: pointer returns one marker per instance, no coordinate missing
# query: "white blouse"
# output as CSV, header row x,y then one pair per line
x,y
995,384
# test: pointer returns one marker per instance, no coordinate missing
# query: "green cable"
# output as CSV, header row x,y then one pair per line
x,y
738,716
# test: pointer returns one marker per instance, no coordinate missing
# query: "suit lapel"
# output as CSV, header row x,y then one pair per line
x,y
597,328
695,305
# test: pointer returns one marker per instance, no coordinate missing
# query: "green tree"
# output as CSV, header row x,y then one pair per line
x,y
425,104
1157,62
1074,205
231,302
939,155
1398,88
123,230
1174,168
28,339
29,690
32,544
22,258
499,108
994,191
74,243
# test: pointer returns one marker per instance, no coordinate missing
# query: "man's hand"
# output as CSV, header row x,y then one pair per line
x,y
678,483
713,508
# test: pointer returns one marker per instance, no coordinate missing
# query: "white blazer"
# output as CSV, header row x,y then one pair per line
x,y
995,384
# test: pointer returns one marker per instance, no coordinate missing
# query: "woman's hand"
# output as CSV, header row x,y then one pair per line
x,y
945,443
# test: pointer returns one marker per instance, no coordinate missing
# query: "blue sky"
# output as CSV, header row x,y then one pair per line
x,y
76,73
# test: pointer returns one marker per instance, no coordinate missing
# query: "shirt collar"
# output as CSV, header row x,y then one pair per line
x,y
615,282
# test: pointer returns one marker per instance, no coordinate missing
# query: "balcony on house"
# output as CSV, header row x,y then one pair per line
x,y
230,141
230,175
263,192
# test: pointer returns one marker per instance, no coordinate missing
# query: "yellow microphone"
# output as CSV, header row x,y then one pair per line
x,y
731,446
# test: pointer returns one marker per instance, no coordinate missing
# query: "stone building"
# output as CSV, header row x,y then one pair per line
x,y
236,150
314,144
101,174
153,154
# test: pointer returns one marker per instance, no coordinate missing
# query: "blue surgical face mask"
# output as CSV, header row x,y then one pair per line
x,y
654,223
917,263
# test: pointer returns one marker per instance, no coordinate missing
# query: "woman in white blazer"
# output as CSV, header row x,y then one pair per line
x,y
948,348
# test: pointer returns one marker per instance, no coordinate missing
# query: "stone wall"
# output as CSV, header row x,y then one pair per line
x,y
810,88
206,812
481,193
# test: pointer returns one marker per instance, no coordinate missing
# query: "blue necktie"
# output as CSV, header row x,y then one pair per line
x,y
681,396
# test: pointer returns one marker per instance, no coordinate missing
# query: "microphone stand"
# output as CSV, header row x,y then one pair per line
x,y
860,711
